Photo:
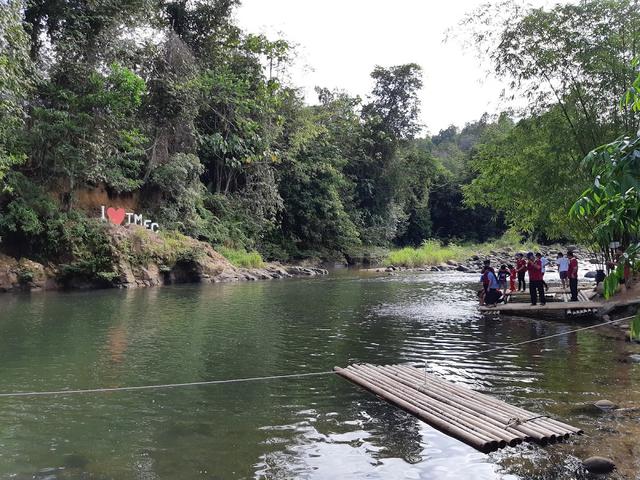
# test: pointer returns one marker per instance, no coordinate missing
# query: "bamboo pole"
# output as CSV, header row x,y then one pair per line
x,y
454,431
548,423
464,417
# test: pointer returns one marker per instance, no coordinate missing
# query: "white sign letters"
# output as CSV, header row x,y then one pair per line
x,y
117,216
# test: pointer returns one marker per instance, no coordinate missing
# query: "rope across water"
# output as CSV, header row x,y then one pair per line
x,y
271,377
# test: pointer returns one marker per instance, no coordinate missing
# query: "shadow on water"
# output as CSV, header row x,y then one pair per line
x,y
314,427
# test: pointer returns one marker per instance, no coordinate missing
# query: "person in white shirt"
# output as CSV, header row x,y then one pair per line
x,y
543,262
563,269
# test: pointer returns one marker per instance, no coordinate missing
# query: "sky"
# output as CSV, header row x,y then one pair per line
x,y
339,42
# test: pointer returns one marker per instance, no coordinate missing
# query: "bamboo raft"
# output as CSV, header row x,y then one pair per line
x,y
478,420
558,302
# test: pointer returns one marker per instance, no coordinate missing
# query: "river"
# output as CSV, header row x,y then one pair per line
x,y
311,428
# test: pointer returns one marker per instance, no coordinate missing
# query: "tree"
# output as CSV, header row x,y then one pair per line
x,y
16,84
528,173
316,194
84,131
389,122
575,57
394,105
611,204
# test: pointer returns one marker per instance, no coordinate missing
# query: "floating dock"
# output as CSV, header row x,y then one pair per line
x,y
476,419
557,303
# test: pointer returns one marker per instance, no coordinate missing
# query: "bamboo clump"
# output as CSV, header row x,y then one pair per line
x,y
479,420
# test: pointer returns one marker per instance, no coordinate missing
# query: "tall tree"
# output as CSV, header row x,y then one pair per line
x,y
390,120
574,56
16,84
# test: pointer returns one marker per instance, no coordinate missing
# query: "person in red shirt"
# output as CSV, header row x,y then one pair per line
x,y
512,278
573,276
536,283
521,268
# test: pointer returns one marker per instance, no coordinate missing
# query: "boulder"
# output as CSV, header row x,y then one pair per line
x,y
590,274
605,405
598,465
462,268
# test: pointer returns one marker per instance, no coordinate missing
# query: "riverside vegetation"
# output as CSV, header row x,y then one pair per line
x,y
170,108
433,252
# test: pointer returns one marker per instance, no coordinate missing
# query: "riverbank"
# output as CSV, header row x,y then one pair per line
x,y
134,257
433,253
438,258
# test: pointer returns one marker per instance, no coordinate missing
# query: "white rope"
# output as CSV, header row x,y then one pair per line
x,y
155,387
272,377
590,327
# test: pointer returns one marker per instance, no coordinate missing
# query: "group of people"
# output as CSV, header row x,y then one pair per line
x,y
498,285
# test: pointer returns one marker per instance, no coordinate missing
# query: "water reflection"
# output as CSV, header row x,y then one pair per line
x,y
321,427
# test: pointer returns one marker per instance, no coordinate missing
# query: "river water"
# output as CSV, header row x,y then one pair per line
x,y
311,428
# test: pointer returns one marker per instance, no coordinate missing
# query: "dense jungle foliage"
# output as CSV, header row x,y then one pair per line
x,y
171,101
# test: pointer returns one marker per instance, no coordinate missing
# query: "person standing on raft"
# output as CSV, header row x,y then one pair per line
x,y
503,274
573,276
563,269
536,285
513,273
521,268
543,262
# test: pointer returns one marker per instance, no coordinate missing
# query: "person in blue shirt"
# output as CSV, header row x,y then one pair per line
x,y
493,295
503,274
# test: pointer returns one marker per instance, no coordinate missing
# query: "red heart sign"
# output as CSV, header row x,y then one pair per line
x,y
116,215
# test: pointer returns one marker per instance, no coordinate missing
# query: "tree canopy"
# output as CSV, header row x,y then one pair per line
x,y
171,105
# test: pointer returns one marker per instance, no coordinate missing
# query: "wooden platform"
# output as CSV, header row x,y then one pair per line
x,y
558,306
481,421
558,303
559,289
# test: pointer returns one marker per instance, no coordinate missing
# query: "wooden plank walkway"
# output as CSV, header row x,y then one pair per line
x,y
481,421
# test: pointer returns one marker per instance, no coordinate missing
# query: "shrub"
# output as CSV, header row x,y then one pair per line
x,y
25,276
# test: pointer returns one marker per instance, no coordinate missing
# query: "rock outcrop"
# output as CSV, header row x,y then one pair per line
x,y
25,275
141,258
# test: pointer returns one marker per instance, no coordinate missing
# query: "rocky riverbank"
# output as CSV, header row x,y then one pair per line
x,y
139,258
473,264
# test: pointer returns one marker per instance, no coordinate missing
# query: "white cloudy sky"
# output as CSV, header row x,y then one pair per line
x,y
340,41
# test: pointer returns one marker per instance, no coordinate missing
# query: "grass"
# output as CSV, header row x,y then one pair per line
x,y
432,252
242,258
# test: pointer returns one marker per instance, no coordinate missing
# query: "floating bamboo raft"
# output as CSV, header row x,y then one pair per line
x,y
558,303
478,420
